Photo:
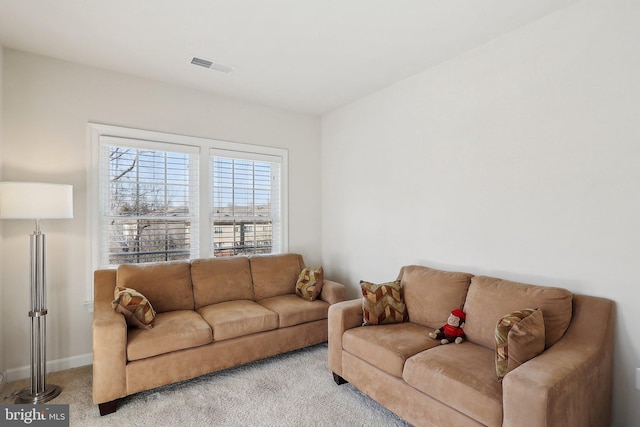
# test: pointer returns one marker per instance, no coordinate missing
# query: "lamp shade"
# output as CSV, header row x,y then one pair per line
x,y
35,200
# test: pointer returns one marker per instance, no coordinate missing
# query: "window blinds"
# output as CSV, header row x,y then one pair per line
x,y
148,201
245,203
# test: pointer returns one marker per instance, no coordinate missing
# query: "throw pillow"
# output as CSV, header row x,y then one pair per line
x,y
309,283
520,336
136,307
383,303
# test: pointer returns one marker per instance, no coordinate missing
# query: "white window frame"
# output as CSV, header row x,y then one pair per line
x,y
144,145
165,141
276,179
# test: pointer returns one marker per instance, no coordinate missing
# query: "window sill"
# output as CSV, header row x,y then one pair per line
x,y
88,305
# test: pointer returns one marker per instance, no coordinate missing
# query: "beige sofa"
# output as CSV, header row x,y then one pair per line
x,y
212,314
429,384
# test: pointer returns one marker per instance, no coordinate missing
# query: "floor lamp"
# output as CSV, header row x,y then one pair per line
x,y
37,201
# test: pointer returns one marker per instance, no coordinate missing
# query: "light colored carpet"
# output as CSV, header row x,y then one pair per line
x,y
294,389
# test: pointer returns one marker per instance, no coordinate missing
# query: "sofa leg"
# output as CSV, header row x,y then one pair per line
x,y
338,379
108,407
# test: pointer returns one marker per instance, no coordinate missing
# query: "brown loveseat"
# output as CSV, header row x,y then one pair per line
x,y
212,314
429,384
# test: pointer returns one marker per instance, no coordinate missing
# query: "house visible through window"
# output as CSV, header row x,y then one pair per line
x,y
162,197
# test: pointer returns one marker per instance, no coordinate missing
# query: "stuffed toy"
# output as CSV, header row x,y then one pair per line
x,y
452,331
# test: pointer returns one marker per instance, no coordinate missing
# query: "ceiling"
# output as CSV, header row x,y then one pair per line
x,y
309,56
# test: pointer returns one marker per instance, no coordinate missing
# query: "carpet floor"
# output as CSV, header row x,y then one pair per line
x,y
294,389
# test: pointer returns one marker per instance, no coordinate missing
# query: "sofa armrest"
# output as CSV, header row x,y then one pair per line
x,y
332,292
109,342
570,383
342,316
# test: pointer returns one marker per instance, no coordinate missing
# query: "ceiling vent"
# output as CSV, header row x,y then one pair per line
x,y
218,66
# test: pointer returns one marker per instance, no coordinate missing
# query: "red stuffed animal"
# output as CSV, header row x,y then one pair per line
x,y
452,331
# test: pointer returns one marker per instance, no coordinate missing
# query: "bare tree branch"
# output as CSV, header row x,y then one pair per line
x,y
126,171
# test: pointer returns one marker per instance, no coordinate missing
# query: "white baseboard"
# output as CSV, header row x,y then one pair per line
x,y
52,366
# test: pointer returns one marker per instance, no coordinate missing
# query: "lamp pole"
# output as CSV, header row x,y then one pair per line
x,y
39,392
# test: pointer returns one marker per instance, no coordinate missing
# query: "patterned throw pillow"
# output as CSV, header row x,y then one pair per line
x,y
136,307
383,303
519,337
309,283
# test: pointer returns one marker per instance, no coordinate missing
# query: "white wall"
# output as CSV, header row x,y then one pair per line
x,y
47,104
2,346
519,160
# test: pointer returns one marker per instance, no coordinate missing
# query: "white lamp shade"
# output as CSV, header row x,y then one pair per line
x,y
35,200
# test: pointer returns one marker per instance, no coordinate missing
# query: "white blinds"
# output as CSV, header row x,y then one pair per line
x,y
167,197
148,201
245,203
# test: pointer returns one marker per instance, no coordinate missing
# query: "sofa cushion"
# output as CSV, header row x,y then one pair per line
x,y
383,303
167,285
519,338
387,347
431,294
460,375
135,307
221,279
489,299
173,330
275,275
232,319
293,310
309,284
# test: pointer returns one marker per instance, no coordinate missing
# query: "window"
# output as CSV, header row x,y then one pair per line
x,y
148,202
245,203
157,197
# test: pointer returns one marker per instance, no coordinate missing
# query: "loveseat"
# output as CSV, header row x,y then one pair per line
x,y
430,384
210,314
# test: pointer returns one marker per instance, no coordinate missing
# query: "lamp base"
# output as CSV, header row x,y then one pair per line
x,y
51,391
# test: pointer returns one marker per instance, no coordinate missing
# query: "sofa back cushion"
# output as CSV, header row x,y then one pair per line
x,y
275,275
489,299
167,285
221,279
430,294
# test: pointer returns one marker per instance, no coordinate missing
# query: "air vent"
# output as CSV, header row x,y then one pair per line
x,y
201,62
218,66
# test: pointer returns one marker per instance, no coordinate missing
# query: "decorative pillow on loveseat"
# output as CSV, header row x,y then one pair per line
x,y
383,303
309,283
136,307
520,336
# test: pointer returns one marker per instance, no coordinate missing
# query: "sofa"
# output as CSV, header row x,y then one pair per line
x,y
567,381
210,314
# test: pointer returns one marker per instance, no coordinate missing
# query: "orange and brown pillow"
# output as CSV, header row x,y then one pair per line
x,y
136,307
309,283
383,303
520,336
